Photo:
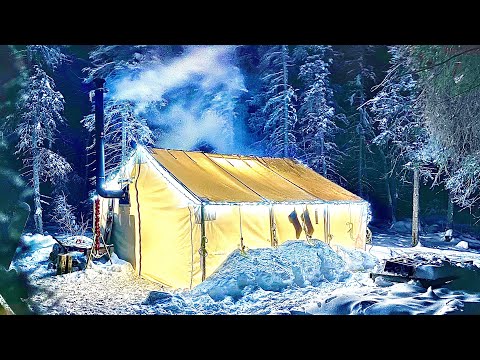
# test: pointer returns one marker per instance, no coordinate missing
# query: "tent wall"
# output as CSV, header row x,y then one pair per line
x,y
171,233
285,229
164,238
123,232
123,229
347,228
348,225
223,233
317,218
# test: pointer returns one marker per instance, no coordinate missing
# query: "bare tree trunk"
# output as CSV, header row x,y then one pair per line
x,y
322,155
360,165
361,135
124,142
394,191
285,104
390,200
37,215
416,188
450,212
387,186
86,168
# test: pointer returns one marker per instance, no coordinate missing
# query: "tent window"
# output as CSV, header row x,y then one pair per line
x,y
210,214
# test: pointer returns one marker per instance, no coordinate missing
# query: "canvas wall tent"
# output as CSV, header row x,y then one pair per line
x,y
187,211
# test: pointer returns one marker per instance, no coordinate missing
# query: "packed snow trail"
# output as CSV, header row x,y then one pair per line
x,y
295,278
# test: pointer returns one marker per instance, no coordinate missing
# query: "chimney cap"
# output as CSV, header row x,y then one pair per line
x,y
99,82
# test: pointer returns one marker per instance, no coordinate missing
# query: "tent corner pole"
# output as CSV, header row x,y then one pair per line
x,y
203,250
273,228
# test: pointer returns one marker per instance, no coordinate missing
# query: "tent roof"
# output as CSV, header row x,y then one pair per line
x,y
219,178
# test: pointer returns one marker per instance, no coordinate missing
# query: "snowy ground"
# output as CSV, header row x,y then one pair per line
x,y
296,278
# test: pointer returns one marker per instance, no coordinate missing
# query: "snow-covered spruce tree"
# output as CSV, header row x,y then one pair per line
x,y
23,58
316,116
122,126
359,127
122,123
394,100
108,60
449,76
41,109
399,117
46,56
276,116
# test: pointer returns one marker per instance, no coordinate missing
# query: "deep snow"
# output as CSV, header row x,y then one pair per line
x,y
296,278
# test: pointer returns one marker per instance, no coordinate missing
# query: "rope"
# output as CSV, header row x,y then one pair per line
x,y
273,226
191,244
203,243
350,223
203,256
326,221
242,247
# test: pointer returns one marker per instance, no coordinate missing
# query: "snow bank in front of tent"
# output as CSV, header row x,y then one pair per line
x,y
357,259
292,264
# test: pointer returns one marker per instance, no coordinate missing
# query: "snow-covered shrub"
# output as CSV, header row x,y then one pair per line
x,y
63,214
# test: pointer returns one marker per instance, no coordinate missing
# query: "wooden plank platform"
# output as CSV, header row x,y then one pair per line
x,y
434,283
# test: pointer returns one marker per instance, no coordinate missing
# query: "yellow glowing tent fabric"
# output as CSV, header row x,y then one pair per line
x,y
249,202
234,178
308,179
203,177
